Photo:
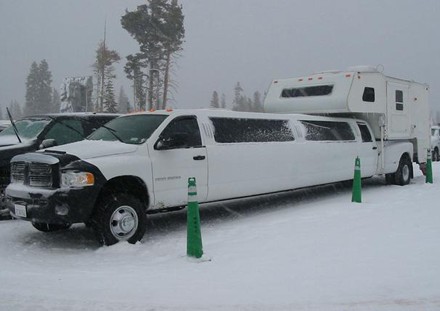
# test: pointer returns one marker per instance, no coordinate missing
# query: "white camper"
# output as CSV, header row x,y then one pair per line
x,y
395,109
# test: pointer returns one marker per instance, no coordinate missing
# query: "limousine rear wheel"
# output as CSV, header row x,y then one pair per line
x,y
119,217
403,174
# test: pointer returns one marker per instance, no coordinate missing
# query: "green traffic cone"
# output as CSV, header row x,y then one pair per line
x,y
356,193
194,237
429,178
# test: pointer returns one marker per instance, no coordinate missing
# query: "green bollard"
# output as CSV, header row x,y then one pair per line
x,y
429,178
194,237
356,193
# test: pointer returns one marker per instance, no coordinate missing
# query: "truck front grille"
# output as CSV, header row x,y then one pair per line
x,y
32,174
18,172
40,175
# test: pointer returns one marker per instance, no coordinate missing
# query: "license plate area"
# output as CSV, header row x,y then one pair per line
x,y
20,210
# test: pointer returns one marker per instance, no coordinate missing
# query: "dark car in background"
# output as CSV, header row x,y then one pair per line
x,y
43,131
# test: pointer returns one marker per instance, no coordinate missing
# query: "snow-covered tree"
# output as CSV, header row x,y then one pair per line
x,y
124,104
104,72
38,89
158,28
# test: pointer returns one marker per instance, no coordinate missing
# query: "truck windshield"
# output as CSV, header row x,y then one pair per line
x,y
133,129
27,128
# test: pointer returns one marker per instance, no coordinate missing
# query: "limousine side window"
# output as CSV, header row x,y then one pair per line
x,y
328,131
365,133
182,132
237,130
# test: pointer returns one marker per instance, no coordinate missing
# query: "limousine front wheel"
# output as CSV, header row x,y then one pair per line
x,y
403,174
119,217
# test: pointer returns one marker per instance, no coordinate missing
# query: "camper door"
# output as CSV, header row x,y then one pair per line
x,y
398,111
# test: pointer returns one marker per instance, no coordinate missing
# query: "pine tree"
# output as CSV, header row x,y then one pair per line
x,y
124,105
56,101
45,81
32,90
223,101
38,89
15,110
257,104
104,72
158,28
240,102
215,101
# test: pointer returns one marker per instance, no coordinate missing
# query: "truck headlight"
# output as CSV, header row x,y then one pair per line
x,y
77,179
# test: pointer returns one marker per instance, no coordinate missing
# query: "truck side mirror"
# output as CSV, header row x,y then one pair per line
x,y
176,140
47,143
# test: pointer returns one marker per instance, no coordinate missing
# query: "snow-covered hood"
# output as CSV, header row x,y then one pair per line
x,y
87,149
11,140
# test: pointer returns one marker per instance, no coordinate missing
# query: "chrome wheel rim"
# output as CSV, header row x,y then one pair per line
x,y
123,223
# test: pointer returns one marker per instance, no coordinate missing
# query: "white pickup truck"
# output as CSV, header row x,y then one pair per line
x,y
140,163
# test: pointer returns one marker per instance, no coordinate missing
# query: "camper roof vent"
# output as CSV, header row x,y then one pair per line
x,y
363,69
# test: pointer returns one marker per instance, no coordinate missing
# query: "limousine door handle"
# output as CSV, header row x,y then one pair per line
x,y
374,148
199,157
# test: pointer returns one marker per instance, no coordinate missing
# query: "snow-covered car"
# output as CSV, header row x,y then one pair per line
x,y
42,131
435,142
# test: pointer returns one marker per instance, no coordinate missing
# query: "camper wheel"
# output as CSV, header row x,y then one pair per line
x,y
435,155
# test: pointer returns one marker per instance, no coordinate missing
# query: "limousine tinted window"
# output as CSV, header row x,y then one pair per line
x,y
318,90
232,130
328,131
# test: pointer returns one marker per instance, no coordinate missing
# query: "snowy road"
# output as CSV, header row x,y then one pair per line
x,y
304,250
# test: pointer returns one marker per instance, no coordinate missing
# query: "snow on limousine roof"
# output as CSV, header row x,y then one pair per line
x,y
216,112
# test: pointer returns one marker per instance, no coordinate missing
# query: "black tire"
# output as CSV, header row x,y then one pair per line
x,y
403,174
119,217
435,156
389,179
50,227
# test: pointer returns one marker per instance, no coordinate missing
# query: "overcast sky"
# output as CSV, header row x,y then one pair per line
x,y
251,41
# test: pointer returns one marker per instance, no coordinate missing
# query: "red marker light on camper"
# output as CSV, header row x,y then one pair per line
x,y
310,79
348,75
319,78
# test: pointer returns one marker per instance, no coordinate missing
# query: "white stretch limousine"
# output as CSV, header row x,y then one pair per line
x,y
140,163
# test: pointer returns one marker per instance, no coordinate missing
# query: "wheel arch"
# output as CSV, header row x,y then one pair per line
x,y
131,185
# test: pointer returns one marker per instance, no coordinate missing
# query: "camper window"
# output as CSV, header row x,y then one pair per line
x,y
368,95
328,131
318,90
232,130
399,100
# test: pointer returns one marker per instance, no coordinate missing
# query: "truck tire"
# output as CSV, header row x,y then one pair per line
x,y
403,174
119,217
50,227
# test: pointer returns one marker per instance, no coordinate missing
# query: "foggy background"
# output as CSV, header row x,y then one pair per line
x,y
226,41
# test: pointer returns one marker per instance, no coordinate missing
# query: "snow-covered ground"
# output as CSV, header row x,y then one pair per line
x,y
303,250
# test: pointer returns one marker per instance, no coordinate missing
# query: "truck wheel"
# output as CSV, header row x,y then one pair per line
x,y
41,226
119,217
435,156
389,179
403,174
